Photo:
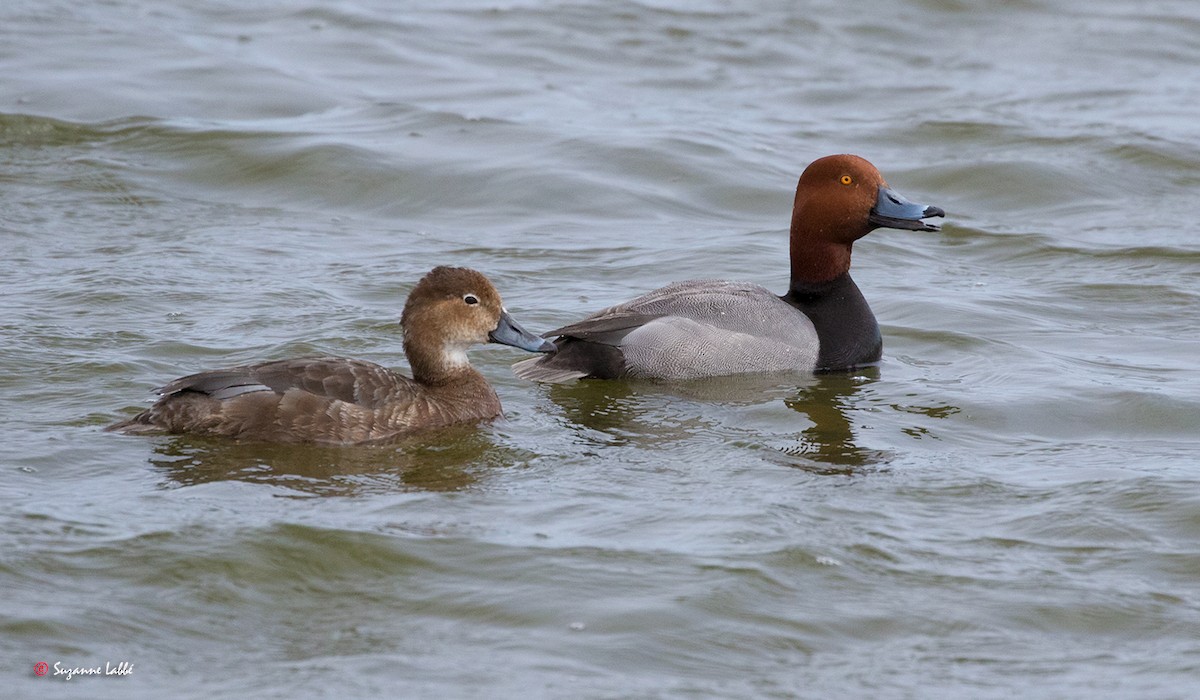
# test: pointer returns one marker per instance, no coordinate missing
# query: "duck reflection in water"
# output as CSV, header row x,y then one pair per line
x,y
654,413
830,441
445,460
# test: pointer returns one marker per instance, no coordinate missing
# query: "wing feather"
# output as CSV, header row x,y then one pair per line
x,y
357,382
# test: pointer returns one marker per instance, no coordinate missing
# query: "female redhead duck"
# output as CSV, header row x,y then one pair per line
x,y
705,328
336,400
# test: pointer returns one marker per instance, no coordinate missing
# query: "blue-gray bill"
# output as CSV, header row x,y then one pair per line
x,y
892,210
509,332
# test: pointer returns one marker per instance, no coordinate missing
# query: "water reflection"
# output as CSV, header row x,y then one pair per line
x,y
649,414
830,440
447,460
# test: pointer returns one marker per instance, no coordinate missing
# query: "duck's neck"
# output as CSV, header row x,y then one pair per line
x,y
846,329
441,368
816,262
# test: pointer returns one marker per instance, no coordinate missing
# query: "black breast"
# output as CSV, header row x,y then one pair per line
x,y
846,329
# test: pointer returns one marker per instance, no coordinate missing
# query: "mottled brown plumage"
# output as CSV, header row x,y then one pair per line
x,y
343,401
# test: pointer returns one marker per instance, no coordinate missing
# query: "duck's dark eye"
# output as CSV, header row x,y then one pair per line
x,y
470,299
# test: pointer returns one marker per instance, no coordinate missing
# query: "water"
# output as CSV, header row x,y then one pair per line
x,y
1007,505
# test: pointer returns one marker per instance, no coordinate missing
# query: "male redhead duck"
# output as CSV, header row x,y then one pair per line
x,y
707,328
335,400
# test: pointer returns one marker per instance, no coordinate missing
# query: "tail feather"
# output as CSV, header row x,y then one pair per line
x,y
535,370
141,424
574,359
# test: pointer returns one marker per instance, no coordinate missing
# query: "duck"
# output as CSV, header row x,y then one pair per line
x,y
708,328
342,401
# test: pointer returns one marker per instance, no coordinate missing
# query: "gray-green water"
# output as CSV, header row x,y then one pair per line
x,y
1008,506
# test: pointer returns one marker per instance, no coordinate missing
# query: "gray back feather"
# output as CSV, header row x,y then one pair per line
x,y
703,328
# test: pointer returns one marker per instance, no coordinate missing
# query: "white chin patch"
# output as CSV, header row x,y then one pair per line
x,y
455,357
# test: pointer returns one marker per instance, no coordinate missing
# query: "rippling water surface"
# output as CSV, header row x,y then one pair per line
x,y
1008,505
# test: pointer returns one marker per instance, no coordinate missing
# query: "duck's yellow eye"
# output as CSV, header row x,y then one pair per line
x,y
846,180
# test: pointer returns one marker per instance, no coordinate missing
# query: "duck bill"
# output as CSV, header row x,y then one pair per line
x,y
892,210
509,332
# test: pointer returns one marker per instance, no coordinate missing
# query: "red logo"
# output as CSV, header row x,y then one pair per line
x,y
40,668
